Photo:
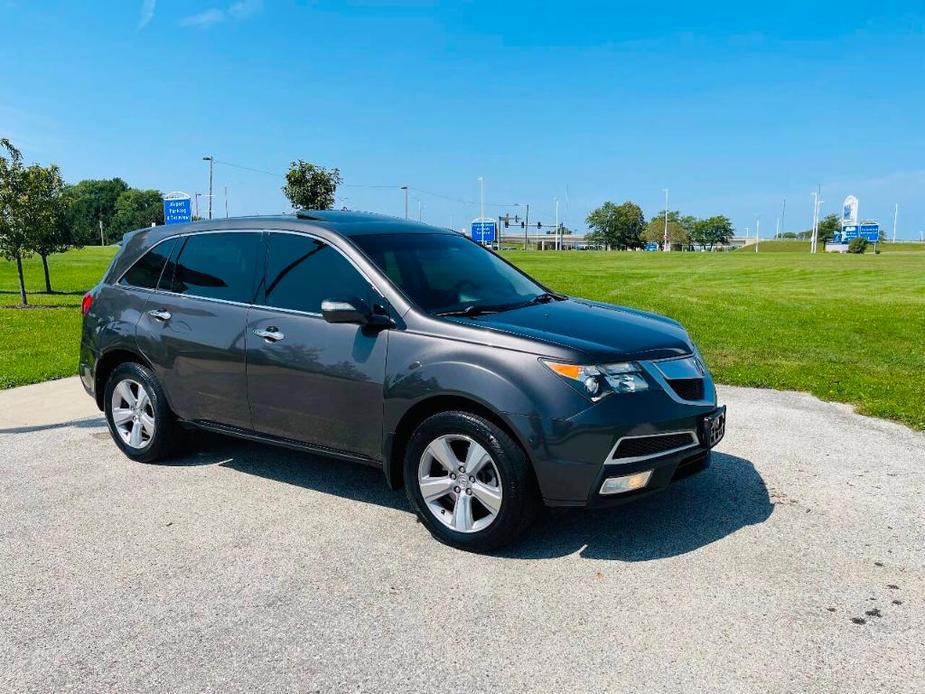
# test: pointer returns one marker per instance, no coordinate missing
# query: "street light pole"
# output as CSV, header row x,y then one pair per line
x,y
895,217
757,232
196,202
226,202
666,247
558,236
211,161
405,188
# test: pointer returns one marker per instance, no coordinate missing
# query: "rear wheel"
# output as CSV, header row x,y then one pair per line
x,y
469,482
139,419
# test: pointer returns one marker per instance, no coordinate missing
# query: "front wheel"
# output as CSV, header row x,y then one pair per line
x,y
469,482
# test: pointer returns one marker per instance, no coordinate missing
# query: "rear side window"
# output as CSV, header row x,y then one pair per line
x,y
146,272
219,266
302,272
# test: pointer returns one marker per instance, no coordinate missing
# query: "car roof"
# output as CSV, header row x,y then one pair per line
x,y
343,222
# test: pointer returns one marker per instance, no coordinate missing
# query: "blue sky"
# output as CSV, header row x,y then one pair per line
x,y
733,107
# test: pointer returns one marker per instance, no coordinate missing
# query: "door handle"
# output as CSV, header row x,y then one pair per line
x,y
270,334
160,314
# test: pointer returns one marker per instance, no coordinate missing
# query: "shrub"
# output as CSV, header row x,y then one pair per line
x,y
858,245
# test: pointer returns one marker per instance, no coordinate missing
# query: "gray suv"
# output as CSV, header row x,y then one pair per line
x,y
402,346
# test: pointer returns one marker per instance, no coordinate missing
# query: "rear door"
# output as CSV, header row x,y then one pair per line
x,y
314,382
193,326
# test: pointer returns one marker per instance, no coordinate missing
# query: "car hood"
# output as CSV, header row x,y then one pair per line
x,y
602,332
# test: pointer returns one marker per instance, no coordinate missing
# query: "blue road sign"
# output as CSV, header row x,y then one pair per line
x,y
484,231
177,211
871,232
651,246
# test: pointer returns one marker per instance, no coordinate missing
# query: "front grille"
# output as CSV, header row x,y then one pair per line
x,y
652,445
687,388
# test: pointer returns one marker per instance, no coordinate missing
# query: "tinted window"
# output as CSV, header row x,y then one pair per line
x,y
447,272
147,270
219,266
302,272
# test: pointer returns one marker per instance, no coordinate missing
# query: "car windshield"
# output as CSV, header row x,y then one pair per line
x,y
448,274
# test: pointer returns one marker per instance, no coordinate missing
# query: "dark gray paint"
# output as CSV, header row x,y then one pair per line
x,y
345,389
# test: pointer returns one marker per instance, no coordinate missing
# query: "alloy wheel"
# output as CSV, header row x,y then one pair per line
x,y
133,413
460,484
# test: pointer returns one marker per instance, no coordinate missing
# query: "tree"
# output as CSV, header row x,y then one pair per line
x,y
712,231
311,187
90,202
136,209
828,226
14,243
677,232
618,226
857,245
45,214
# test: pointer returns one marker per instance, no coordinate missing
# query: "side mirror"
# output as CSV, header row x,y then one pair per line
x,y
353,310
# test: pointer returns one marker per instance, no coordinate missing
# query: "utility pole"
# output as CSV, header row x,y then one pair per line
x,y
558,236
211,161
817,205
196,206
526,221
226,202
783,215
102,240
757,232
895,217
666,247
420,211
777,232
405,188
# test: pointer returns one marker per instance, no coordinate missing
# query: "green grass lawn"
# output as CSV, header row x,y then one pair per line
x,y
43,342
845,328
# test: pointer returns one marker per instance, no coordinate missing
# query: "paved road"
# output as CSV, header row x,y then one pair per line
x,y
797,562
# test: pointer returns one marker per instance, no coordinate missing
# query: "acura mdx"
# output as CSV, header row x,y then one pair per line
x,y
402,346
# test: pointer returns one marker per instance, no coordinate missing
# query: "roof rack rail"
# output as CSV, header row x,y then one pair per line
x,y
307,214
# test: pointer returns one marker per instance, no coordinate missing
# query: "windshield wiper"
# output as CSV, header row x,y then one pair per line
x,y
546,297
476,310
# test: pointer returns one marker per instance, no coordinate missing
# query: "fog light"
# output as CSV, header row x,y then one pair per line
x,y
628,483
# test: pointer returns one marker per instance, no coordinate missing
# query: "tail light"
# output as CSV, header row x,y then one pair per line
x,y
86,303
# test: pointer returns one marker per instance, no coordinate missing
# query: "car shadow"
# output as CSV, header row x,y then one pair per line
x,y
85,423
327,475
690,514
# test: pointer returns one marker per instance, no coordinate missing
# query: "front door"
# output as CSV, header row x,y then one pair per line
x,y
310,380
193,327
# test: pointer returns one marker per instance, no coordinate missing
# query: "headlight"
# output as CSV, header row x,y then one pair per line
x,y
599,380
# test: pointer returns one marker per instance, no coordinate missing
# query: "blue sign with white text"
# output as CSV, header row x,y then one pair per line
x,y
871,232
484,231
177,211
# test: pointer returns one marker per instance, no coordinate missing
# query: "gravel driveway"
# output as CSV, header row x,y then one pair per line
x,y
796,562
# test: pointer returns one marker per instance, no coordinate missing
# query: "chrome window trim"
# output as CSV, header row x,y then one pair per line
x,y
280,309
611,461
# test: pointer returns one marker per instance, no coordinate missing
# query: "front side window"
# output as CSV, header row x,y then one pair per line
x,y
219,266
302,272
146,272
445,273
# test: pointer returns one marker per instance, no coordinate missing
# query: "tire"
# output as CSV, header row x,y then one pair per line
x,y
499,501
149,432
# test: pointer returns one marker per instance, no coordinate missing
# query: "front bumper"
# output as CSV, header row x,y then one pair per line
x,y
573,457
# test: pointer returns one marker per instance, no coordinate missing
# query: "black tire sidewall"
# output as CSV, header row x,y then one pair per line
x,y
520,497
160,444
